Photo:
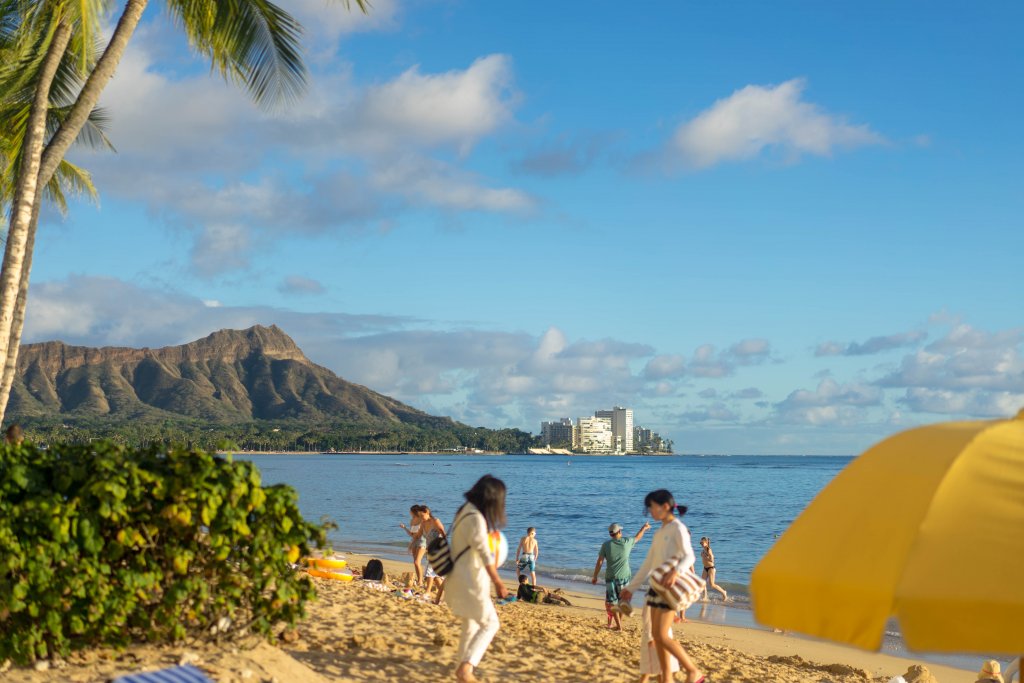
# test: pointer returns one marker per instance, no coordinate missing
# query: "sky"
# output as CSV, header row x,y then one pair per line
x,y
769,228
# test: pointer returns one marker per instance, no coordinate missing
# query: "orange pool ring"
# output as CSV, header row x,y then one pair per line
x,y
324,563
337,576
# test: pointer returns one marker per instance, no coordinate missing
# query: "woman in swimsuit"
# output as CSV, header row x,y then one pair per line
x,y
708,558
430,528
417,543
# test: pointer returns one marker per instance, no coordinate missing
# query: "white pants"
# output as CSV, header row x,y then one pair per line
x,y
476,637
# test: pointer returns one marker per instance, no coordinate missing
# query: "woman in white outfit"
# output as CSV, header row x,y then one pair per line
x,y
672,540
468,586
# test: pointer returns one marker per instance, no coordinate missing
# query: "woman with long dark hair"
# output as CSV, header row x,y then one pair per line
x,y
468,586
670,542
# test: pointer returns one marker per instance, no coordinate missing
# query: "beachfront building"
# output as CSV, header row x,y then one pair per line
x,y
558,433
622,427
595,435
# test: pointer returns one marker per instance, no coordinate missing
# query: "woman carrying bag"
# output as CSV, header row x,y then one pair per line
x,y
468,586
670,542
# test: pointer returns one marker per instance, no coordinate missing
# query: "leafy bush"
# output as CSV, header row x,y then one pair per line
x,y
100,544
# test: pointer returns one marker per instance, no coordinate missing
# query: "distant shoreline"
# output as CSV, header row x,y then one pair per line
x,y
537,455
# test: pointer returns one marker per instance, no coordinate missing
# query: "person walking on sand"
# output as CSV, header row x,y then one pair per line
x,y
707,557
430,528
670,543
617,574
527,554
417,543
467,588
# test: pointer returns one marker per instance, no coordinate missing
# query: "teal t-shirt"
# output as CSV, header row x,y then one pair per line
x,y
616,553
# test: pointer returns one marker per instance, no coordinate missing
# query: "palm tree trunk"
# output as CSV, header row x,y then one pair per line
x,y
27,184
41,165
18,323
89,97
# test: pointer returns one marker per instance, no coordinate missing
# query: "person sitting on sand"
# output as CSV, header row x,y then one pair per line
x,y
616,551
530,593
708,558
527,553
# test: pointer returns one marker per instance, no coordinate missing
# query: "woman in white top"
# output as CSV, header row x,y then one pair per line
x,y
671,541
417,543
468,587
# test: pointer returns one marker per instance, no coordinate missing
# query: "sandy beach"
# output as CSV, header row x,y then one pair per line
x,y
355,633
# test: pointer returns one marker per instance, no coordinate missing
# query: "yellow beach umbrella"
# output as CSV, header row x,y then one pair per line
x,y
926,526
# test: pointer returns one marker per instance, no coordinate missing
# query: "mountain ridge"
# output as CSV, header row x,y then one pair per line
x,y
229,376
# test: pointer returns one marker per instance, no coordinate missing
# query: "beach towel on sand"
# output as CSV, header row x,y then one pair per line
x,y
175,674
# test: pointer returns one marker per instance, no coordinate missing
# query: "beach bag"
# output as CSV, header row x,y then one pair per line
x,y
374,571
686,590
439,553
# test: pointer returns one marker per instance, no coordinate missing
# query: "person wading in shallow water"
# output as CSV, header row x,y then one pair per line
x,y
708,559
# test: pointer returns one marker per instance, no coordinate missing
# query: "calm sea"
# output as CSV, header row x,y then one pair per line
x,y
741,502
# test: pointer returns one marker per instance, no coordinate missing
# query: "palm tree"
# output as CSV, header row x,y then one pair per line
x,y
253,43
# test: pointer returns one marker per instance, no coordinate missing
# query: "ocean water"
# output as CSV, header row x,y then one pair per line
x,y
741,502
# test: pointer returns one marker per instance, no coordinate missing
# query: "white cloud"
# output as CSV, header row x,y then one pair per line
x,y
435,183
327,21
871,346
830,403
973,402
298,284
452,108
964,359
758,118
665,366
201,157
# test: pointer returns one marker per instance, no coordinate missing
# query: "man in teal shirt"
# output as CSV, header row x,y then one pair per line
x,y
617,574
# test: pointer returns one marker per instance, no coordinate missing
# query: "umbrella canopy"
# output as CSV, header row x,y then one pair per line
x,y
926,526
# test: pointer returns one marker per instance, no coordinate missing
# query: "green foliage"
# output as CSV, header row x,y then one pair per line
x,y
432,434
102,544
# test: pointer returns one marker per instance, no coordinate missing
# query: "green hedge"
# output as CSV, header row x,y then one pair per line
x,y
105,545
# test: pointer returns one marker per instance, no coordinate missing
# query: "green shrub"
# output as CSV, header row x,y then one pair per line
x,y
100,544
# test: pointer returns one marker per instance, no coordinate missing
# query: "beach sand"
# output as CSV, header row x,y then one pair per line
x,y
354,633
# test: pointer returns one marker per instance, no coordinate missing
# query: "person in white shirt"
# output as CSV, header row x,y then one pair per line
x,y
670,542
468,586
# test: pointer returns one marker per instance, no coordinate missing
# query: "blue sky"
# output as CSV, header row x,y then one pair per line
x,y
768,227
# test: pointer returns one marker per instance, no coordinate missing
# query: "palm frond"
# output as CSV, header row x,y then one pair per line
x,y
252,42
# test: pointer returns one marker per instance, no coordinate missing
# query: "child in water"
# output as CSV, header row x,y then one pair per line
x,y
527,554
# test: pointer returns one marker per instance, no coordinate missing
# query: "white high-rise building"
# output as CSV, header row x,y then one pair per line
x,y
622,427
595,435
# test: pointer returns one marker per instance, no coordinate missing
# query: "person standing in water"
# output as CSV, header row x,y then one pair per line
x,y
708,559
670,543
527,554
467,589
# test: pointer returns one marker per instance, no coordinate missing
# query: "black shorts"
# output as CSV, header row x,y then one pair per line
x,y
654,601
